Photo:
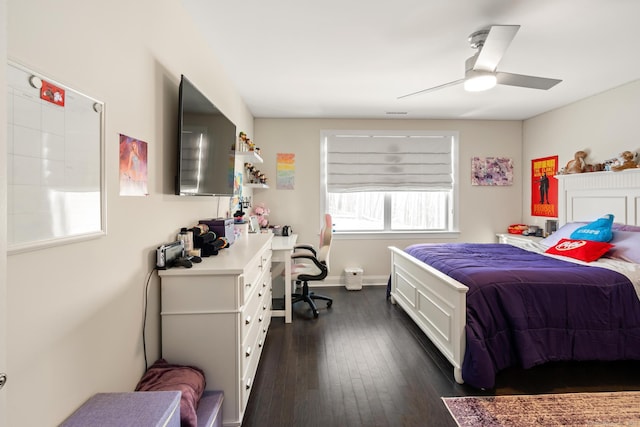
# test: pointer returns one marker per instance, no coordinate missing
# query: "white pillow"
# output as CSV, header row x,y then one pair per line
x,y
563,232
626,246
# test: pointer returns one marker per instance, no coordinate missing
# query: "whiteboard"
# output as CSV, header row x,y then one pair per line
x,y
55,163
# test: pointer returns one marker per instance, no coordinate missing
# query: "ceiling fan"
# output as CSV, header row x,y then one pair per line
x,y
480,69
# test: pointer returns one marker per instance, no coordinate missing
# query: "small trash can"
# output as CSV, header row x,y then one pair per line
x,y
353,278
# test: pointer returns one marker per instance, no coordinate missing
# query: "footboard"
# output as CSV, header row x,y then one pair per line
x,y
436,302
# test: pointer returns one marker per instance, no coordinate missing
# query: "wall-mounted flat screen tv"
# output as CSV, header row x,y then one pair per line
x,y
206,140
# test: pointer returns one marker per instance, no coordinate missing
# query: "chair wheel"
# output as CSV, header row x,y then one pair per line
x,y
315,314
329,304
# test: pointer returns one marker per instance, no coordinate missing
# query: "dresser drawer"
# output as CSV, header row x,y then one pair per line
x,y
254,271
249,315
256,303
254,340
199,293
252,366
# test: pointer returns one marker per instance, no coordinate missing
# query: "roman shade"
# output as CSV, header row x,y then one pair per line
x,y
389,162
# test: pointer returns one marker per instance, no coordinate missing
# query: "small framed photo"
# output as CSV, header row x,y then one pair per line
x,y
254,226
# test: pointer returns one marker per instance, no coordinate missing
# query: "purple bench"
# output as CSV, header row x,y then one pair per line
x,y
144,409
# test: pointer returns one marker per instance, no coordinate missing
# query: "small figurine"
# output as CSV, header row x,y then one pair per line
x,y
242,141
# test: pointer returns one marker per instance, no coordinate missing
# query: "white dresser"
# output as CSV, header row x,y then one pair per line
x,y
215,316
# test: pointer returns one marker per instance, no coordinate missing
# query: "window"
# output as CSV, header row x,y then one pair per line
x,y
381,181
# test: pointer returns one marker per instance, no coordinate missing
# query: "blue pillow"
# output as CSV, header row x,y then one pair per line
x,y
598,230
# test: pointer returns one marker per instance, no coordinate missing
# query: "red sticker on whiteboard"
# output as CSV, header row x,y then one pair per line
x,y
52,93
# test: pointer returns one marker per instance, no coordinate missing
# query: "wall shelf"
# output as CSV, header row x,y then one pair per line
x,y
249,156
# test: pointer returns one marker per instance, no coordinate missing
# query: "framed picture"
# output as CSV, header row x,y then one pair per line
x,y
544,187
254,226
491,171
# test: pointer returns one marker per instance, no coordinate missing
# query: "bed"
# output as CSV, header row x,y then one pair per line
x,y
535,307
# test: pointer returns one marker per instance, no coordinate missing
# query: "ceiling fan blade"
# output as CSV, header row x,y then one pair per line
x,y
494,47
532,82
432,89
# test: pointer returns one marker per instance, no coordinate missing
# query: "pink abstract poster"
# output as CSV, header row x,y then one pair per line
x,y
133,167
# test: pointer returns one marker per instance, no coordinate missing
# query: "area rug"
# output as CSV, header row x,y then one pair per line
x,y
568,409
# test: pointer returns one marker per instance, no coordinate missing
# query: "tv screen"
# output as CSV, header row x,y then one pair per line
x,y
206,140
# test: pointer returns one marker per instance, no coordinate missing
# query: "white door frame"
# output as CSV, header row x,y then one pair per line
x,y
3,210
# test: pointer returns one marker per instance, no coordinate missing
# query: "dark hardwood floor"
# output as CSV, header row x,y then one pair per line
x,y
363,362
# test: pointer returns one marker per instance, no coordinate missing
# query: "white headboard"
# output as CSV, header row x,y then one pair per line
x,y
587,196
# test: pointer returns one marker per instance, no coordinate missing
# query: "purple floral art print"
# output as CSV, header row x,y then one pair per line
x,y
491,171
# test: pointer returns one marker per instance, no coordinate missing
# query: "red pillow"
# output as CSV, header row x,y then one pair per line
x,y
584,250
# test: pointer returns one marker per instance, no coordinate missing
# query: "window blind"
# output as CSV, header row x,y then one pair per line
x,y
357,163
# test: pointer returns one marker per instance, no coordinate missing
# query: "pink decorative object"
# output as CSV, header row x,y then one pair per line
x,y
261,211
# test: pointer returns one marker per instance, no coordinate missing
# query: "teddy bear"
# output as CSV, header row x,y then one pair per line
x,y
578,164
626,162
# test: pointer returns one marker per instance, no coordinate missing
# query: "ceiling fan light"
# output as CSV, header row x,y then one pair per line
x,y
480,82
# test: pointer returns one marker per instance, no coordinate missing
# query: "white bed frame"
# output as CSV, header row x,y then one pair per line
x,y
437,303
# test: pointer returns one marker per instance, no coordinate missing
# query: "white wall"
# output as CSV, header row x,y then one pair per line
x,y
75,311
603,125
484,211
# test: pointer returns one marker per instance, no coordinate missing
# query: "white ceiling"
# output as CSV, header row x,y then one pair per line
x,y
354,58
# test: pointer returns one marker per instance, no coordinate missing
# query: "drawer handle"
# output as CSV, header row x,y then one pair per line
x,y
248,352
248,284
260,293
247,320
264,330
264,307
260,343
260,318
248,384
264,284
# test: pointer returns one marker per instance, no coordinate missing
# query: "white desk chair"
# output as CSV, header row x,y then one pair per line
x,y
315,267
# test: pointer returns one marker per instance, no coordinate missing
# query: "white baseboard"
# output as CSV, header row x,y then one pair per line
x,y
339,281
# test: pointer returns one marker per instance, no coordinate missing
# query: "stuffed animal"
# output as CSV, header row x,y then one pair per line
x,y
627,161
261,211
578,164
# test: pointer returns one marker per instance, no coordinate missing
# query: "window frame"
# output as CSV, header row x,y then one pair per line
x,y
453,220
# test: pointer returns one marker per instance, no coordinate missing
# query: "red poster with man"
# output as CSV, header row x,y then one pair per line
x,y
544,187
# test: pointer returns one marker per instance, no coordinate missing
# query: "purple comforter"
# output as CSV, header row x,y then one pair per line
x,y
524,308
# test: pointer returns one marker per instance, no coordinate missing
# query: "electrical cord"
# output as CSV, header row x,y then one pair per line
x,y
144,319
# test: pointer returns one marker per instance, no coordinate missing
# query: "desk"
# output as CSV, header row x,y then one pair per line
x,y
282,248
